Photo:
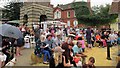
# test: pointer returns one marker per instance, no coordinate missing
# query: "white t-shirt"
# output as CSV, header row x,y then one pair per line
x,y
3,57
112,36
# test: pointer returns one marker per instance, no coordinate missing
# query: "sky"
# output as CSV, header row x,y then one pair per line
x,y
93,2
55,2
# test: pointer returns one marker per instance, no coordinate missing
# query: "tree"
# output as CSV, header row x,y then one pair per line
x,y
100,14
12,11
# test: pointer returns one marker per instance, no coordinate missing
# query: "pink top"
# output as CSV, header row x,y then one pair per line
x,y
83,43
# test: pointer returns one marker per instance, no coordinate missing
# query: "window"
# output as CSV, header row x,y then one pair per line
x,y
68,14
74,14
68,23
57,14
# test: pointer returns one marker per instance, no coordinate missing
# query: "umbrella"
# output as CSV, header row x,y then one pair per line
x,y
10,31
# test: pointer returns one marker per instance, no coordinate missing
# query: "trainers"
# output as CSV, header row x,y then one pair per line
x,y
45,62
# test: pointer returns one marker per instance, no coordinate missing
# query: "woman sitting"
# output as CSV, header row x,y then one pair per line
x,y
58,60
69,54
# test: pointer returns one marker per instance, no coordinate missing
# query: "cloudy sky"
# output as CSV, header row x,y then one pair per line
x,y
93,2
55,2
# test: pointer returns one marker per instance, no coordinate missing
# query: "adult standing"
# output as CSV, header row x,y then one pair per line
x,y
23,29
88,37
20,43
37,33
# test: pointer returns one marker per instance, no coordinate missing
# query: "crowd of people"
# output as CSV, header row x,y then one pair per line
x,y
61,47
72,53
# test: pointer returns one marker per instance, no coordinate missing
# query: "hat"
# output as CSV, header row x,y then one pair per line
x,y
58,49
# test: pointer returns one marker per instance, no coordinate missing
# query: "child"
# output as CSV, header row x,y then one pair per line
x,y
80,39
90,63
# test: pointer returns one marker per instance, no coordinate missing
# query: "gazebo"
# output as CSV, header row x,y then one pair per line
x,y
115,9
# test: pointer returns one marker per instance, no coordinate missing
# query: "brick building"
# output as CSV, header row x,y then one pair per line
x,y
66,13
115,9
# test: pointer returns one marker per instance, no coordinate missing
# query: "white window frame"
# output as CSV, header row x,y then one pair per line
x,y
74,14
68,14
57,14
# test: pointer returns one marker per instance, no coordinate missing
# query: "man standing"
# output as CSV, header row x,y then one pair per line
x,y
88,37
37,33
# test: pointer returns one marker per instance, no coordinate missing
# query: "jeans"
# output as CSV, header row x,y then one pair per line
x,y
46,54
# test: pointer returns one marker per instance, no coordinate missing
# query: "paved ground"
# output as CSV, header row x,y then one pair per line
x,y
24,60
98,53
100,56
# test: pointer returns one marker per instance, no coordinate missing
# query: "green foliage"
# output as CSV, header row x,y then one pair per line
x,y
100,15
12,11
80,8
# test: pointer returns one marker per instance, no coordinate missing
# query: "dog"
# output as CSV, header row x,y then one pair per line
x,y
12,62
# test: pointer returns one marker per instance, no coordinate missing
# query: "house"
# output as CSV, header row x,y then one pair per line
x,y
65,13
115,9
